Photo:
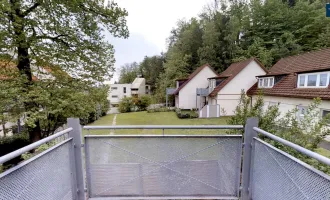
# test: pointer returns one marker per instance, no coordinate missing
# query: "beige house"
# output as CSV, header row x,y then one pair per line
x,y
294,81
119,91
186,91
225,89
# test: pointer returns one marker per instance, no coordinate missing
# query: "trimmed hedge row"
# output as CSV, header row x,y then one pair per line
x,y
12,143
160,109
183,114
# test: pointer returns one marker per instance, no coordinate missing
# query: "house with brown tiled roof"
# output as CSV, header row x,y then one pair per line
x,y
213,94
294,81
225,89
187,89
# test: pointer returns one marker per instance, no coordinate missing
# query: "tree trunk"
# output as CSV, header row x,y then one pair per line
x,y
4,128
24,60
35,133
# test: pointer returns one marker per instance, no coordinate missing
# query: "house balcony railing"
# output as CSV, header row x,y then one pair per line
x,y
204,92
164,166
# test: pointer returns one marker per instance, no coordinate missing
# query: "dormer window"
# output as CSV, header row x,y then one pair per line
x,y
266,82
313,80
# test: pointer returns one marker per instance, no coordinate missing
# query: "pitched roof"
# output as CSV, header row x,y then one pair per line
x,y
310,61
191,76
232,71
287,86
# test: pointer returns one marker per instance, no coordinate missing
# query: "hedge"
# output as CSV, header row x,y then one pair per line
x,y
11,143
182,114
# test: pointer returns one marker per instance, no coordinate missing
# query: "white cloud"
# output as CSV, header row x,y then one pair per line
x,y
150,23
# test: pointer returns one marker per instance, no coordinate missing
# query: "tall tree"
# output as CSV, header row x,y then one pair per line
x,y
151,68
128,72
61,33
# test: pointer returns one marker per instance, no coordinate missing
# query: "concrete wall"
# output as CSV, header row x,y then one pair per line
x,y
228,97
187,95
142,88
118,92
287,104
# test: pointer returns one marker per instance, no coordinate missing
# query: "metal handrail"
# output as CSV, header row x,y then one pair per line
x,y
32,146
300,149
167,127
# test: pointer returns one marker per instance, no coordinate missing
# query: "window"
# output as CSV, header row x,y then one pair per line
x,y
114,96
323,79
114,88
261,82
302,80
267,82
326,113
301,112
124,88
313,80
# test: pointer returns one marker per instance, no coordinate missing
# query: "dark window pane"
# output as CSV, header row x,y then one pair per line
x,y
311,80
302,81
323,79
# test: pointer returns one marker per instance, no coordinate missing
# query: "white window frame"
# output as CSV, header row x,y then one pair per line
x,y
322,110
317,80
270,84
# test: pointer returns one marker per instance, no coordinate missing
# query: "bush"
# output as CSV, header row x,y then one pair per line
x,y
160,109
11,143
142,103
183,114
307,132
126,105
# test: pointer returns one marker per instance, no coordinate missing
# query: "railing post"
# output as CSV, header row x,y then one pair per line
x,y
76,135
249,134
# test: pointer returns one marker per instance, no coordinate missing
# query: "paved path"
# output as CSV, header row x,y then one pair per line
x,y
113,110
114,122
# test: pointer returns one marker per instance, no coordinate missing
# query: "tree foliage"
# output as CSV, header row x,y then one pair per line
x,y
65,38
230,31
307,132
150,68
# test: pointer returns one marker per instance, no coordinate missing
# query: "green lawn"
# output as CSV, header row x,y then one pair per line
x,y
159,118
163,118
323,152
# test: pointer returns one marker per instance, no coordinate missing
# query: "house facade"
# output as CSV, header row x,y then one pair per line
x,y
186,96
118,91
295,81
225,89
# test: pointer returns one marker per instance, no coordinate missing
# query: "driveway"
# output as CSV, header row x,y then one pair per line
x,y
113,110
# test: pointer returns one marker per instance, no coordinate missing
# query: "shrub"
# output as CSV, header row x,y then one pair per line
x,y
142,103
183,114
307,132
126,105
160,109
11,143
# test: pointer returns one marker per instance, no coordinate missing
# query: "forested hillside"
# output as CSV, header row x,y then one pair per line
x,y
229,31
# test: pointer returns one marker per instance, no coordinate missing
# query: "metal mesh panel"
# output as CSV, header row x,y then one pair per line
x,y
46,176
168,166
276,175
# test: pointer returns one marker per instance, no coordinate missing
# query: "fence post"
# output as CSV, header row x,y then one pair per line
x,y
76,135
249,134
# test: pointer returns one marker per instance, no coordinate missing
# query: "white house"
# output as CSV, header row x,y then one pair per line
x,y
186,89
119,91
225,89
294,81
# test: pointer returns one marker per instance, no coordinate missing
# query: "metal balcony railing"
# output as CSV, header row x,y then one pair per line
x,y
164,167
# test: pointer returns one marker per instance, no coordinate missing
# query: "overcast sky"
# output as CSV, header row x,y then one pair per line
x,y
150,23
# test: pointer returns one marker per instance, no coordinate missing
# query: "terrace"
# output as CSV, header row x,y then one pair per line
x,y
164,166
